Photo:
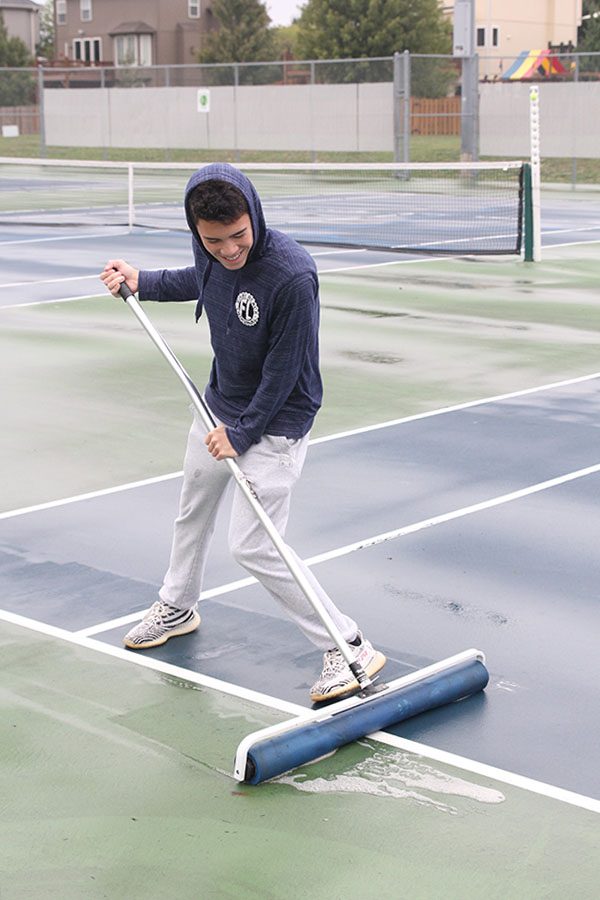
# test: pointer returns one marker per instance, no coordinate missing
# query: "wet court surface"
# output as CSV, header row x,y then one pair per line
x,y
518,579
472,527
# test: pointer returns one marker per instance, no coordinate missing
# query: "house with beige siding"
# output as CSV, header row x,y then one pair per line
x,y
22,20
504,28
132,32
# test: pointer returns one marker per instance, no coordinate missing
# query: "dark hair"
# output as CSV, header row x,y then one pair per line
x,y
217,201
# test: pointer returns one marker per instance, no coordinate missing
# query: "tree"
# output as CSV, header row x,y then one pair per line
x,y
285,41
16,88
346,29
13,52
588,34
45,45
243,34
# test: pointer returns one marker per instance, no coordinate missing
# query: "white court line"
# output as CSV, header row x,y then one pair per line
x,y
101,293
455,514
89,496
396,262
460,762
336,251
429,259
571,244
136,616
149,662
469,404
51,504
48,281
66,237
549,231
393,262
376,539
501,775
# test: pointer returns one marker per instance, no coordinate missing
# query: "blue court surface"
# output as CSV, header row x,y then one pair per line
x,y
466,545
439,526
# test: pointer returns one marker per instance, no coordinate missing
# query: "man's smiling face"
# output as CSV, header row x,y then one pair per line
x,y
230,243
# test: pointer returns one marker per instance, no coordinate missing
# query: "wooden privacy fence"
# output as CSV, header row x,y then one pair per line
x,y
26,118
439,116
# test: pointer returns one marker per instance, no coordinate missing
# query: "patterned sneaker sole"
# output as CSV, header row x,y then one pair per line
x,y
377,663
186,628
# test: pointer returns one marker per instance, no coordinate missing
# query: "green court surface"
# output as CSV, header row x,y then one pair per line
x,y
83,382
114,784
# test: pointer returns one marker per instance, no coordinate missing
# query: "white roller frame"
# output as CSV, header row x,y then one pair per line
x,y
271,731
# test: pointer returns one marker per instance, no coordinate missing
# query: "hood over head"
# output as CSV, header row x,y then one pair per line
x,y
225,172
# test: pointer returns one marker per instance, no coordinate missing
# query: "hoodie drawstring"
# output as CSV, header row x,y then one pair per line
x,y
205,277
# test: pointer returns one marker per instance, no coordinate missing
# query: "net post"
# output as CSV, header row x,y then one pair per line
x,y
534,143
527,213
130,206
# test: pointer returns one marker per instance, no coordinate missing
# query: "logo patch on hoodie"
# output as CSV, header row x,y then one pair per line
x,y
246,308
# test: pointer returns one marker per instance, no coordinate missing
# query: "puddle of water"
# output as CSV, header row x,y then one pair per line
x,y
401,776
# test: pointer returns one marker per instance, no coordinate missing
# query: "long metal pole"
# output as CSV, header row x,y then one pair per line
x,y
401,94
42,112
406,102
361,676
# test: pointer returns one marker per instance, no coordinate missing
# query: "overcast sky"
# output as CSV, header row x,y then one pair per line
x,y
283,11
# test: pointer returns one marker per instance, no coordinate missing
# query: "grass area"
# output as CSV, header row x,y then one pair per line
x,y
444,148
424,149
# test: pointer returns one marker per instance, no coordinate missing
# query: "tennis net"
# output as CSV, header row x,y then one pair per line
x,y
452,208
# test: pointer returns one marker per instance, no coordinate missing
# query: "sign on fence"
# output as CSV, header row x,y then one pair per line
x,y
203,100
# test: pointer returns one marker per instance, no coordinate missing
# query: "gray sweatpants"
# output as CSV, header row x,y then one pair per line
x,y
272,466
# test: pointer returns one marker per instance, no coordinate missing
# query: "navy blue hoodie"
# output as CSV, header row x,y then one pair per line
x,y
264,321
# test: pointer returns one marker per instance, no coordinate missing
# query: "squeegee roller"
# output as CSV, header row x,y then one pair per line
x,y
274,756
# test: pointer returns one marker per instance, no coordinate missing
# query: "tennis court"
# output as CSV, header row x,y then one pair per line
x,y
450,499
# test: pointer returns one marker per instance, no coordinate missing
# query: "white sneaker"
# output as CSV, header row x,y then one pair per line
x,y
160,623
336,678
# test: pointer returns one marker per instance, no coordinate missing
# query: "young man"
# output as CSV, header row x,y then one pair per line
x,y
259,290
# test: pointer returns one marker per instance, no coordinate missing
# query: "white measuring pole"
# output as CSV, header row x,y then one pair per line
x,y
130,206
534,143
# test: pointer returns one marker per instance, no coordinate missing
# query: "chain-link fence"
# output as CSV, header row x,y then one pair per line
x,y
407,107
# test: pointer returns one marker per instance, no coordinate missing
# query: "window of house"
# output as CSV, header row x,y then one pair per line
x,y
494,37
145,49
61,12
133,50
85,10
87,49
193,9
481,37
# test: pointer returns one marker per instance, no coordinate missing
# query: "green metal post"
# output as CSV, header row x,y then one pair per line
x,y
528,212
